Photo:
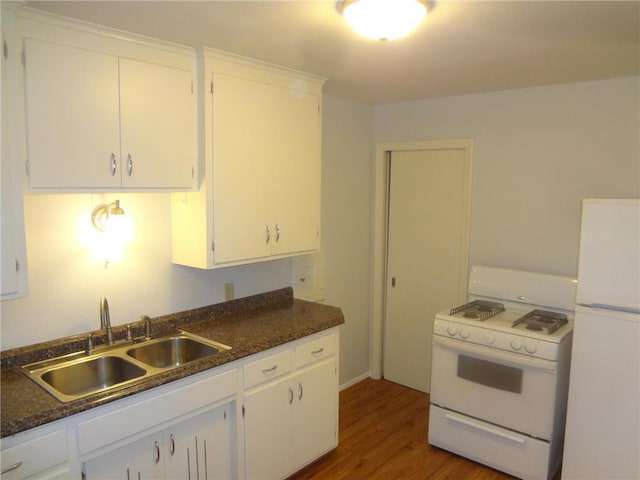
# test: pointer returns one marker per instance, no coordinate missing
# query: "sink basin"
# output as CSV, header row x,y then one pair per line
x,y
91,376
78,375
172,351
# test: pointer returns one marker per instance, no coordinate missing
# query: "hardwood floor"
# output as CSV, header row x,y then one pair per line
x,y
383,435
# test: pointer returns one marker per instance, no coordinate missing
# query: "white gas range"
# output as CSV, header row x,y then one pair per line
x,y
500,371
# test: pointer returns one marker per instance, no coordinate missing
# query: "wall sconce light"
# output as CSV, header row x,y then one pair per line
x,y
116,230
102,213
383,19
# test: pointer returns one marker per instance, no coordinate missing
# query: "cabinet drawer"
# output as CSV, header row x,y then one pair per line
x,y
268,368
36,455
315,350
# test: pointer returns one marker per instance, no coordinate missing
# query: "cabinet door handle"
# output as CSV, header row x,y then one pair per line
x,y
129,165
277,233
112,162
157,449
318,352
300,391
269,370
13,467
173,445
290,395
267,234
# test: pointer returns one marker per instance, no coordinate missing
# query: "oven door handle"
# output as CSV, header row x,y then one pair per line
x,y
485,427
496,355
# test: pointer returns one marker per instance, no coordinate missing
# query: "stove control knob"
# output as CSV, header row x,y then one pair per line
x,y
530,347
464,333
452,330
516,344
489,339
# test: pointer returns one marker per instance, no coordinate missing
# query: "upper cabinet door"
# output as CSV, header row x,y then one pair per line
x,y
72,117
295,182
157,125
242,170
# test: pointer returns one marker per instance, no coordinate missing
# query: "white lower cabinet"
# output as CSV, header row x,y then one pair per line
x,y
182,430
268,422
315,412
292,419
131,461
39,453
196,448
199,448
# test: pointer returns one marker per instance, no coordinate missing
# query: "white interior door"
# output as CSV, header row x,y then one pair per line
x,y
426,255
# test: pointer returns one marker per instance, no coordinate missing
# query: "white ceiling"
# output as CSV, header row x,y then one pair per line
x,y
461,47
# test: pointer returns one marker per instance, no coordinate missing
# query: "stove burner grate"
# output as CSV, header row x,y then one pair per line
x,y
542,321
478,309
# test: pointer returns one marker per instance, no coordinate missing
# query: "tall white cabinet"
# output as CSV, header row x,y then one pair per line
x,y
261,148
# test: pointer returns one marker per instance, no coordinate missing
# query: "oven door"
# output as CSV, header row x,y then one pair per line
x,y
507,389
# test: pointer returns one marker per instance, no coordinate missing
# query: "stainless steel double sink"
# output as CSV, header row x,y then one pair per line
x,y
79,375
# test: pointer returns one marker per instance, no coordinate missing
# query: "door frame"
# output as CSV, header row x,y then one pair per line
x,y
380,229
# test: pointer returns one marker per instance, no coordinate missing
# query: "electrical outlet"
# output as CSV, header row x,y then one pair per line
x,y
228,291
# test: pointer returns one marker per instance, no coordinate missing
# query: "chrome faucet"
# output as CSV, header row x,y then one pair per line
x,y
105,320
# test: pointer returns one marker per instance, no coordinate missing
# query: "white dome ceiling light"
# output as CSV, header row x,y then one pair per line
x,y
384,19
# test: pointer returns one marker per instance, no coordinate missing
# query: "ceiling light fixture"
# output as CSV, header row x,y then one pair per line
x,y
384,19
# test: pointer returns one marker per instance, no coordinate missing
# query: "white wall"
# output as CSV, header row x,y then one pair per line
x,y
66,282
346,225
536,153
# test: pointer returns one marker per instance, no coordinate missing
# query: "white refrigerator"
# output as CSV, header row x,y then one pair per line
x,y
602,439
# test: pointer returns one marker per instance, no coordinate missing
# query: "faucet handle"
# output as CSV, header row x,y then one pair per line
x,y
89,350
147,326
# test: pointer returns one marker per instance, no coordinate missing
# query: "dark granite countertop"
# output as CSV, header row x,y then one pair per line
x,y
248,325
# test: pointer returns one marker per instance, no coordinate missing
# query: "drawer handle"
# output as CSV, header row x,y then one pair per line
x,y
269,370
157,448
486,428
13,467
173,445
318,352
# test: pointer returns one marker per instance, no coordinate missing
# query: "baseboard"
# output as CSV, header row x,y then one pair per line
x,y
353,381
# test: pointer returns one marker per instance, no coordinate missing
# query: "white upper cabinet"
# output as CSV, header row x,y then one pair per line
x,y
156,125
73,124
13,280
261,147
106,113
